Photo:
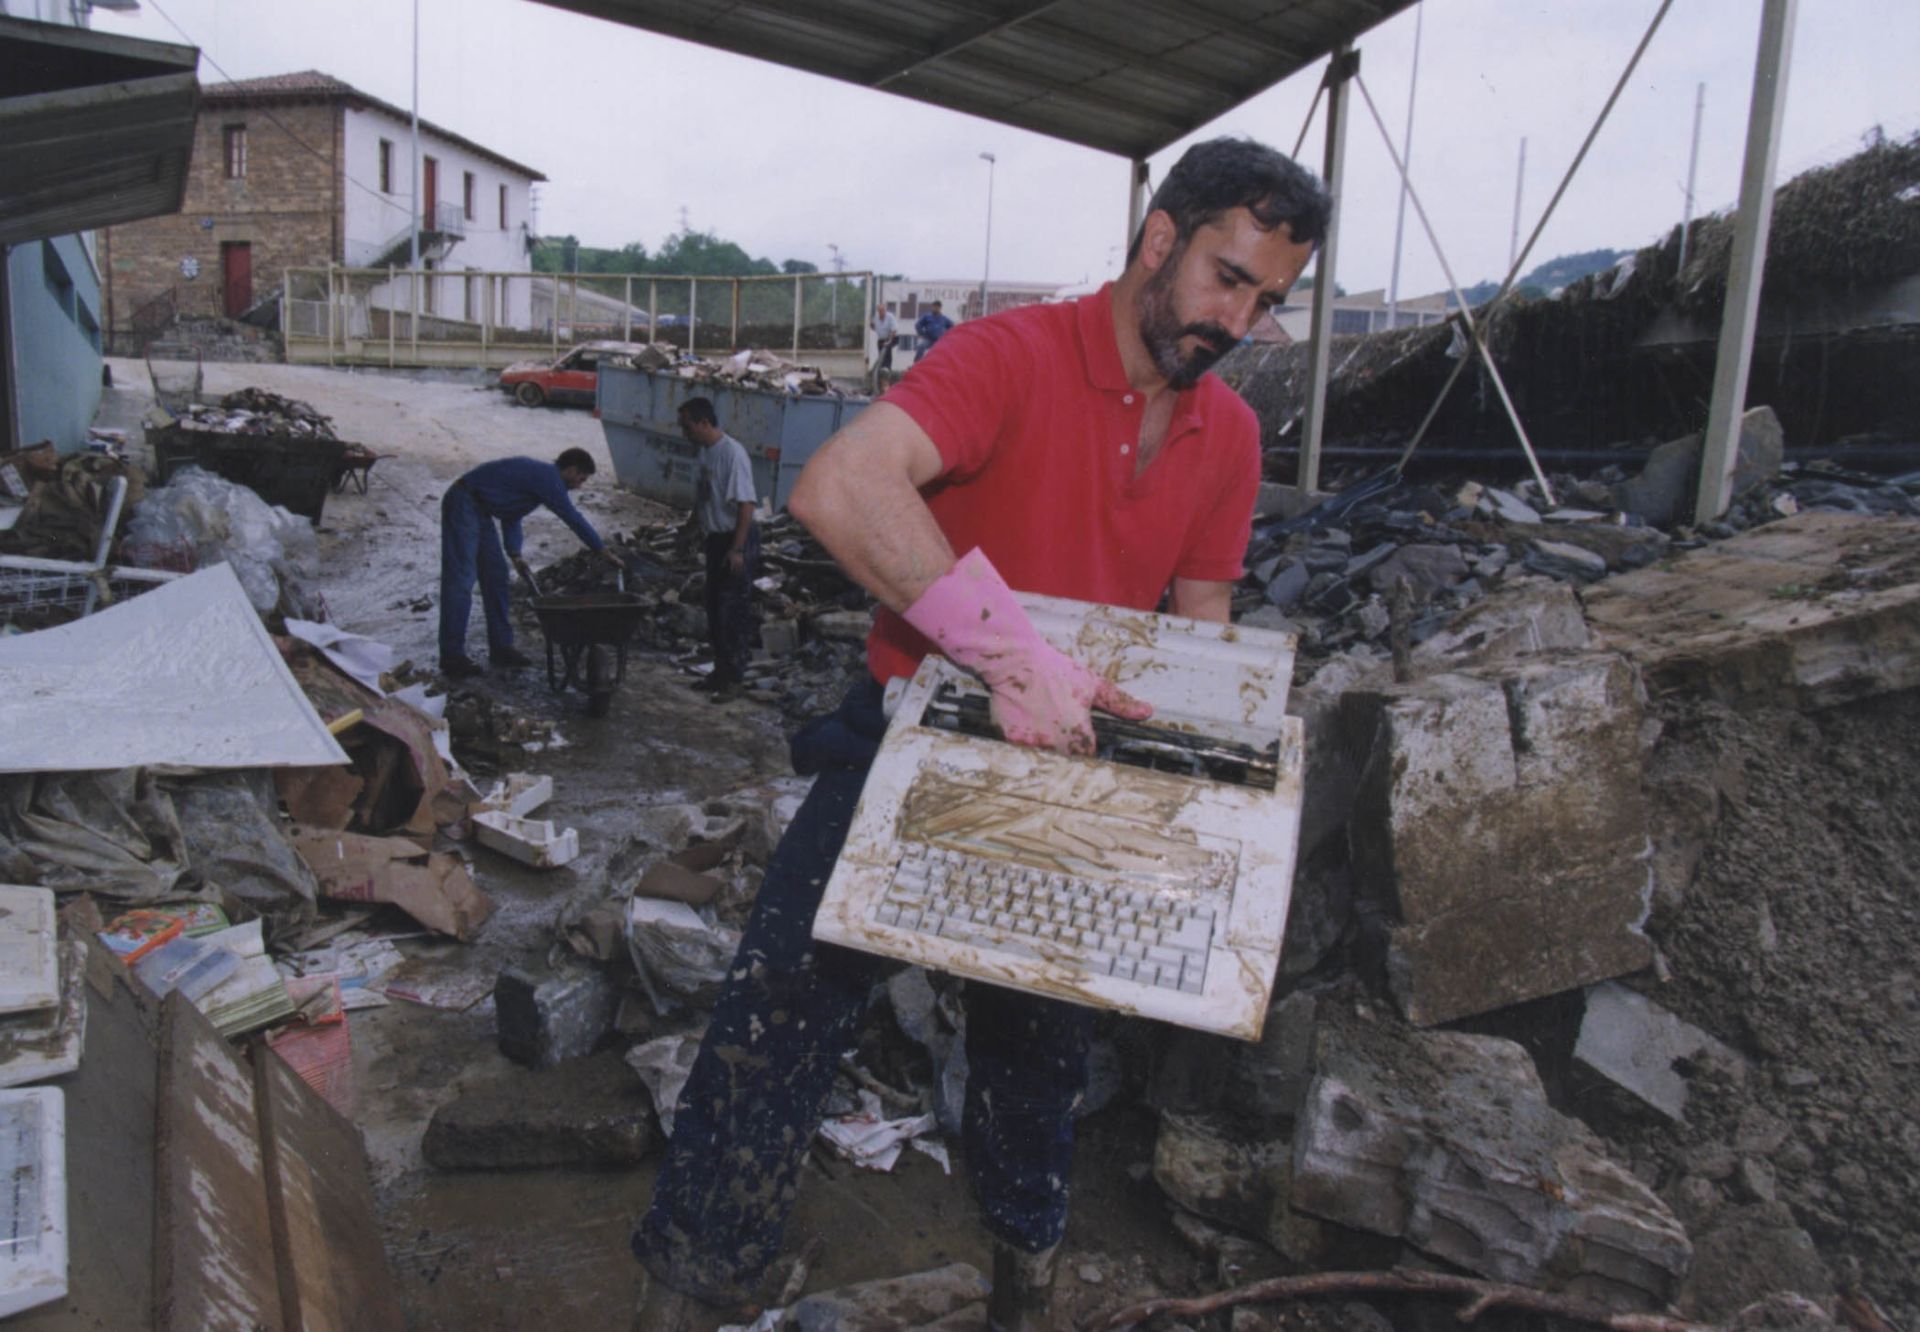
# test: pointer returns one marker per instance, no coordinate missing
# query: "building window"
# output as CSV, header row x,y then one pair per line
x,y
59,283
386,166
466,195
236,142
503,208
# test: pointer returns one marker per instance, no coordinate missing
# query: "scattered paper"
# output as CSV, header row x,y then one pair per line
x,y
870,1140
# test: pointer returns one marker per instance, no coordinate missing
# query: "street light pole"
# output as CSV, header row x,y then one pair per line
x,y
833,288
986,264
413,225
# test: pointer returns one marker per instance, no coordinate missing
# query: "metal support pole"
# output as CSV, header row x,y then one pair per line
x,y
330,314
735,337
1340,71
1137,196
286,309
413,215
391,321
693,321
797,313
1519,187
413,320
1749,259
486,315
1693,164
626,311
1406,155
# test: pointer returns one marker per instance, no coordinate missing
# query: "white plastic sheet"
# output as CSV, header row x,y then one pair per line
x,y
181,677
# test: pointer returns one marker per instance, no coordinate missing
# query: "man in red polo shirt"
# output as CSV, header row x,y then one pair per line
x,y
1079,450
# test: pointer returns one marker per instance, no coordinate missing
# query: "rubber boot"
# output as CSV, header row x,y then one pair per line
x,y
1022,1289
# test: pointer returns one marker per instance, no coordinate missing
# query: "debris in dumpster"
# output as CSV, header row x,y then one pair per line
x,y
255,411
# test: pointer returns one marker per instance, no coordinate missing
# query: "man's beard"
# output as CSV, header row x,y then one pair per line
x,y
1161,331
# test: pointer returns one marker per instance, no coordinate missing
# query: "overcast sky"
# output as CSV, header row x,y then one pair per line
x,y
632,128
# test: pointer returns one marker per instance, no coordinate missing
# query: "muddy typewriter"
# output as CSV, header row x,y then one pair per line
x,y
1151,878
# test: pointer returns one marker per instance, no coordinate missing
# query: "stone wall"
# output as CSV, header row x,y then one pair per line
x,y
286,207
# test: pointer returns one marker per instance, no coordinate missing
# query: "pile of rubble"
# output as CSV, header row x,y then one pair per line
x,y
1389,563
255,411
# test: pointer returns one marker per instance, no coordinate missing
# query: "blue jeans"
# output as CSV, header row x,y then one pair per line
x,y
468,538
731,627
790,1008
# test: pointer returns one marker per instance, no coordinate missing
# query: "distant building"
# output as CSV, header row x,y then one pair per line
x,y
959,297
303,170
1361,312
98,129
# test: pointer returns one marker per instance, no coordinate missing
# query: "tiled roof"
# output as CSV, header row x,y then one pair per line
x,y
309,83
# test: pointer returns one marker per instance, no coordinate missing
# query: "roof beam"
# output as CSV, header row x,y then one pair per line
x,y
964,37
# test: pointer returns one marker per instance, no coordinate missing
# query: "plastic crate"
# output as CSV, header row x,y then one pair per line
x,y
282,469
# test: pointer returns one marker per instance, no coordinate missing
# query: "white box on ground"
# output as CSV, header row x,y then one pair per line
x,y
33,1208
29,952
530,841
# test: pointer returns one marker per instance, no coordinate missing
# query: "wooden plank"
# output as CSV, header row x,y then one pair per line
x,y
213,1252
333,1269
110,1177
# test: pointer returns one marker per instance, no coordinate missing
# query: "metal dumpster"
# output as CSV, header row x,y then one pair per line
x,y
639,410
296,471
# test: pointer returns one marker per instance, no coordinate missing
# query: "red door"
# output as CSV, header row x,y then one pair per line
x,y
236,277
429,190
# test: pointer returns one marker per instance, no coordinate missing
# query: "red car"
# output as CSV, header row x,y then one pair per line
x,y
570,379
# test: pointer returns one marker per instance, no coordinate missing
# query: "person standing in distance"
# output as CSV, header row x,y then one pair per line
x,y
930,327
723,512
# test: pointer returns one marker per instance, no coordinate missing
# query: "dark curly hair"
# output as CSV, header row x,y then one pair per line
x,y
1222,174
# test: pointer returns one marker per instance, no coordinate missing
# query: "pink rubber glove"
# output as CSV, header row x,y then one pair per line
x,y
1041,696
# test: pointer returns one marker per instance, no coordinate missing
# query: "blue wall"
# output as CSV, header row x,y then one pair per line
x,y
56,340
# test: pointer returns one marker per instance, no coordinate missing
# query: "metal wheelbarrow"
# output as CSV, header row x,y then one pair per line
x,y
587,636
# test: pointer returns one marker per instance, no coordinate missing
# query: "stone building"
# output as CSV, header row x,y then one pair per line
x,y
303,170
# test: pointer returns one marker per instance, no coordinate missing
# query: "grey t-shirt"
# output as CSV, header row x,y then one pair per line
x,y
726,481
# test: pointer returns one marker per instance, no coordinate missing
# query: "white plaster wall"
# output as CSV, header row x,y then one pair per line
x,y
375,219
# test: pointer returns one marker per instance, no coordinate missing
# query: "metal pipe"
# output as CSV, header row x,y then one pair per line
x,y
986,264
1342,69
1693,163
1519,187
1747,263
413,220
1406,152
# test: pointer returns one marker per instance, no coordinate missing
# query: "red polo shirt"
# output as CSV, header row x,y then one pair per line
x,y
1038,427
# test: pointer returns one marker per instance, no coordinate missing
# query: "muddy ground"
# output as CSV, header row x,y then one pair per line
x,y
480,1250
1788,910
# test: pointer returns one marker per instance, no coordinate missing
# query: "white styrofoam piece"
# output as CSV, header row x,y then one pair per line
x,y
183,676
33,1208
29,949
47,1043
520,794
529,841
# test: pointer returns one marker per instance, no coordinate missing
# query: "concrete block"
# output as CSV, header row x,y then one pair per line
x,y
1634,1043
1214,1167
545,1017
1499,823
1562,559
1664,492
781,638
1446,1140
581,1112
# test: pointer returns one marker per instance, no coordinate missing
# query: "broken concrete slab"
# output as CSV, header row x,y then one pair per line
x,y
894,1304
1500,826
1818,609
1425,569
1507,507
1212,1167
1519,621
545,1017
1563,559
1446,1140
1621,547
1639,1046
579,1112
1663,494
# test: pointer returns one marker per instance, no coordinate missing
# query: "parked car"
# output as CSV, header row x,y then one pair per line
x,y
567,380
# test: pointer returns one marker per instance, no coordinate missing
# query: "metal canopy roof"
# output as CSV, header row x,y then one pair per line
x,y
95,129
1125,76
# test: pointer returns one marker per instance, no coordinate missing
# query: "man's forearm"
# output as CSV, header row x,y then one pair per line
x,y
860,497
742,525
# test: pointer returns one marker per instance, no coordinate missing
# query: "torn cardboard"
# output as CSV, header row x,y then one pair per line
x,y
433,888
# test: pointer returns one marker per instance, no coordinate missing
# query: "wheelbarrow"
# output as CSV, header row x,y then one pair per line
x,y
587,636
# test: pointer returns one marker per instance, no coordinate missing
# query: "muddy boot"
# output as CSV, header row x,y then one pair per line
x,y
1022,1289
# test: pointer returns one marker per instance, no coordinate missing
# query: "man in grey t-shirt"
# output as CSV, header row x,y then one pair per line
x,y
724,513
